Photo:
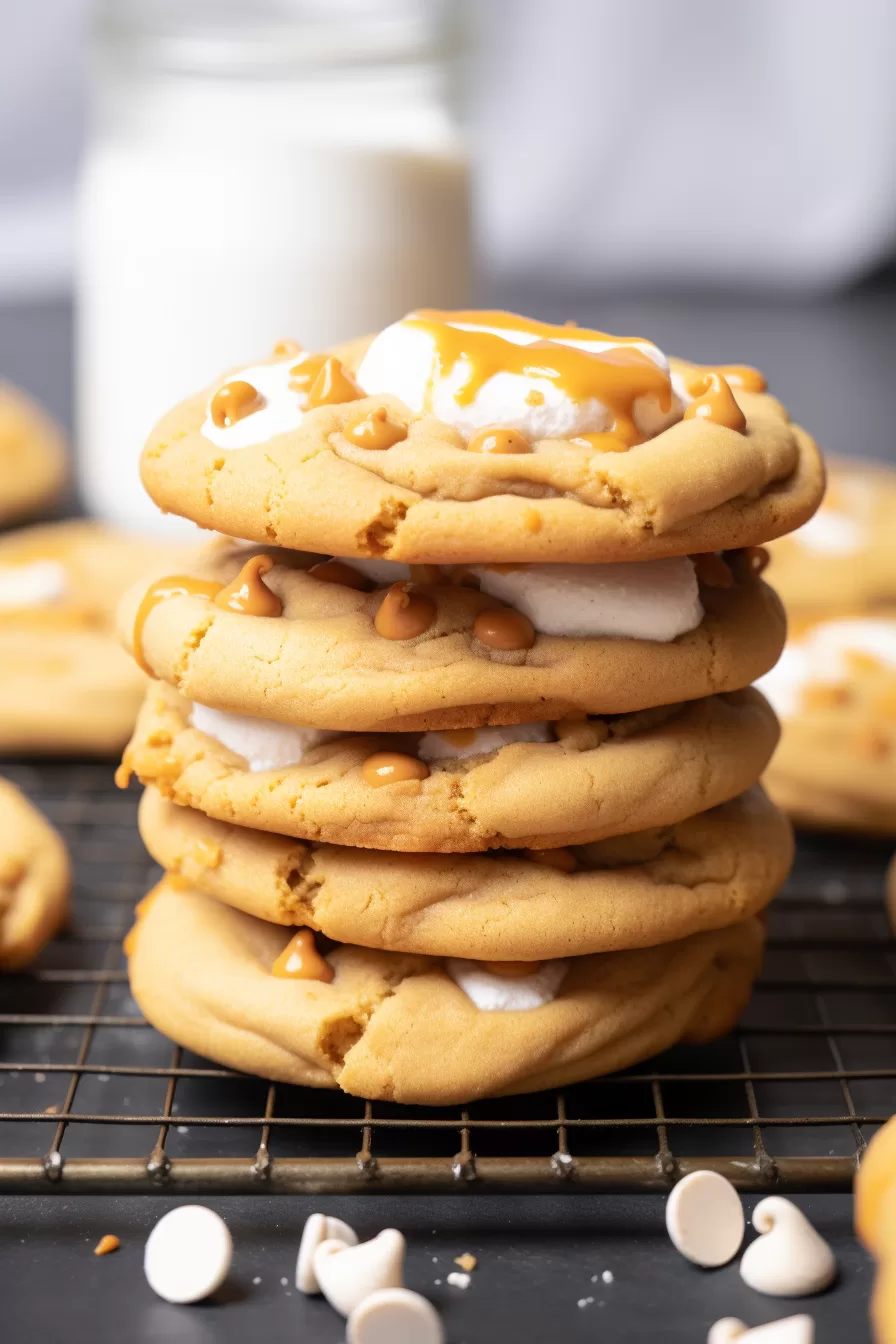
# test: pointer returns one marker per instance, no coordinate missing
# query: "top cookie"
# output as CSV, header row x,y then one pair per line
x,y
32,456
482,436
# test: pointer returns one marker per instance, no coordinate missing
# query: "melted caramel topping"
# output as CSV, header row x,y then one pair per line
x,y
392,767
247,593
511,970
179,585
561,859
333,385
715,402
375,429
534,397
601,443
735,375
233,402
334,571
300,960
499,441
712,571
403,614
616,376
501,628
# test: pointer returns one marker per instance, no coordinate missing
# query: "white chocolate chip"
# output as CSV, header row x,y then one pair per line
x,y
458,1280
348,1274
394,1316
318,1228
789,1330
789,1258
187,1254
705,1219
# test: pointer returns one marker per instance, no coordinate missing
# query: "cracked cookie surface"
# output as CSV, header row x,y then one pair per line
x,y
397,1028
34,879
710,870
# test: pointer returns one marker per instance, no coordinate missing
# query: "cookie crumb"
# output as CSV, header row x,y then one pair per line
x,y
458,1280
106,1245
257,1280
584,1301
466,1261
51,1110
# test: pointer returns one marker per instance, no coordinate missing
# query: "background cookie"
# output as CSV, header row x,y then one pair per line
x,y
630,891
34,879
602,777
397,1028
32,456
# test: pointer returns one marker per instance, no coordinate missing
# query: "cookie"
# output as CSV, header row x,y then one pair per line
x,y
627,891
572,782
34,879
66,684
599,453
441,654
399,1028
32,456
844,559
835,691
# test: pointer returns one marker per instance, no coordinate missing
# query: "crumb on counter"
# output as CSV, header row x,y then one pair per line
x,y
106,1245
466,1261
458,1280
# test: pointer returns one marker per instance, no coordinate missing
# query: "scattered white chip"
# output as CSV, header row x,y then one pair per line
x,y
188,1254
257,1280
394,1316
454,745
318,1228
348,1274
31,585
789,1330
607,1276
266,745
284,1281
789,1258
497,993
458,1279
656,599
705,1219
584,1301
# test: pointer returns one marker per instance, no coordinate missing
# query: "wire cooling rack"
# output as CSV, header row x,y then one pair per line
x,y
94,1099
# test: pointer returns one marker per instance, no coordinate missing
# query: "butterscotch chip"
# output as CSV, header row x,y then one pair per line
x,y
106,1245
404,614
499,628
466,1262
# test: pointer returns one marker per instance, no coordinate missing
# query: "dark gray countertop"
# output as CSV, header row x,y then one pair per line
x,y
832,364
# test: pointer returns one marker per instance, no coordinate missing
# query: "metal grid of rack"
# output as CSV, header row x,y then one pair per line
x,y
92,1098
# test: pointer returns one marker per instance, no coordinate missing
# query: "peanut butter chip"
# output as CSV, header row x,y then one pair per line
x,y
509,970
392,767
106,1245
715,402
712,571
207,854
233,402
501,628
735,375
334,571
300,960
248,594
499,441
561,859
403,614
303,374
375,429
333,385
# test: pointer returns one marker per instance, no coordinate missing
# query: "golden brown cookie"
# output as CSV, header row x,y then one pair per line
x,y
313,483
66,685
34,879
844,559
32,456
627,891
325,663
835,691
398,1028
590,779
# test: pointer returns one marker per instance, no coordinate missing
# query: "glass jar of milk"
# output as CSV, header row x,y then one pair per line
x,y
256,170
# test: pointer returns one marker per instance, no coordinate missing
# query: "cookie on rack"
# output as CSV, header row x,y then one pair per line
x,y
66,685
835,692
383,1025
34,879
535,786
458,437
708,871
369,646
33,463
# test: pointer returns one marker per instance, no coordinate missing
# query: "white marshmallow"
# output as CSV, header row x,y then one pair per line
x,y
790,1330
281,412
403,361
348,1274
188,1254
266,745
789,1258
394,1316
656,600
832,533
498,993
822,657
705,1219
439,747
31,585
319,1228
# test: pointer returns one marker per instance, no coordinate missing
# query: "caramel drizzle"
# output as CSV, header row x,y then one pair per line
x,y
715,403
300,960
178,585
247,594
617,376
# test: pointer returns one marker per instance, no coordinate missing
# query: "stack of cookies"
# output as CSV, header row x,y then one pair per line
x,y
451,753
